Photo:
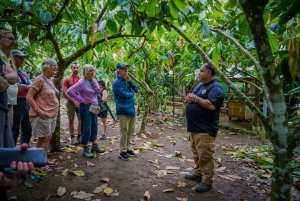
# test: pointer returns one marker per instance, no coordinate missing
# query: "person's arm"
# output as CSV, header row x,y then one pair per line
x,y
23,87
30,99
118,89
3,84
11,76
73,91
21,168
104,96
131,84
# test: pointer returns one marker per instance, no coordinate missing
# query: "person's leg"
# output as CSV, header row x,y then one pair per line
x,y
25,125
10,115
86,119
79,124
71,114
131,126
104,125
206,159
6,137
124,129
17,119
94,132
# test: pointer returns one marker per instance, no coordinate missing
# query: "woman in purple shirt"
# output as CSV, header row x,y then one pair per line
x,y
85,92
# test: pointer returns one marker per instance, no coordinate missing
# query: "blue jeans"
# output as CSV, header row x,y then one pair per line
x,y
89,125
21,118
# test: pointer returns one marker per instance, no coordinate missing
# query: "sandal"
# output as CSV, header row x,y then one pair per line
x,y
45,168
51,163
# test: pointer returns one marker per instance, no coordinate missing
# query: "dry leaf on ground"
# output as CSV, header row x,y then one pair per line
x,y
105,179
168,190
61,191
115,194
83,195
147,196
90,164
221,169
100,188
181,184
172,168
182,199
108,191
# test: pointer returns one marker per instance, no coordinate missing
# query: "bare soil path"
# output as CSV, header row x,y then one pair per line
x,y
131,179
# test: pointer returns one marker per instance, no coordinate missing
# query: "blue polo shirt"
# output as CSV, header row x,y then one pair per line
x,y
199,119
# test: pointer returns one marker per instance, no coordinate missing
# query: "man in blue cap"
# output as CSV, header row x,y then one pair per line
x,y
124,90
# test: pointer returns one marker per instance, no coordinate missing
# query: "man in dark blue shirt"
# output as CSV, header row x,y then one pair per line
x,y
202,114
124,90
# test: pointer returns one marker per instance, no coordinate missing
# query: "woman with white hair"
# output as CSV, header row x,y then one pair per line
x,y
85,92
43,101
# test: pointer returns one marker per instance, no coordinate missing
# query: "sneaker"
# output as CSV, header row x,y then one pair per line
x,y
103,137
86,153
74,141
97,149
124,156
131,153
192,176
202,187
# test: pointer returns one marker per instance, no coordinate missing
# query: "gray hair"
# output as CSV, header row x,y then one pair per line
x,y
47,63
86,68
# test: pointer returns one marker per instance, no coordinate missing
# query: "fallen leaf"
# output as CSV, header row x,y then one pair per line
x,y
147,196
61,191
105,179
221,169
181,184
143,135
83,195
221,192
226,177
172,168
168,190
168,156
116,194
173,142
182,199
69,150
108,191
65,172
90,164
78,173
75,165
73,193
100,188
154,185
161,173
178,153
68,157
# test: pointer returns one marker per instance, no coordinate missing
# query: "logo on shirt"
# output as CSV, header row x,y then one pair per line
x,y
203,91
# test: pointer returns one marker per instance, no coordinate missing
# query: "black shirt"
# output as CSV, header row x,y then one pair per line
x,y
199,119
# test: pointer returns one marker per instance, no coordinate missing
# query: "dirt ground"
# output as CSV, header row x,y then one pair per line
x,y
131,179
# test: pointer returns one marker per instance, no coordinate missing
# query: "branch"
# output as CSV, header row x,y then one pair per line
x,y
250,104
246,81
240,47
102,13
24,21
142,83
59,12
68,60
56,47
85,22
10,10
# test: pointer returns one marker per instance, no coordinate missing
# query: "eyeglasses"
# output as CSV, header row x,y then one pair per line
x,y
10,38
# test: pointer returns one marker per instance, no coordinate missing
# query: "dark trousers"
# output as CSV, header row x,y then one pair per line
x,y
21,118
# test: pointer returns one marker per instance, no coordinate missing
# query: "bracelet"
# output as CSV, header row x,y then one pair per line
x,y
196,99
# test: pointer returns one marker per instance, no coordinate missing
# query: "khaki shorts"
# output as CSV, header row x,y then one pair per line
x,y
43,127
71,109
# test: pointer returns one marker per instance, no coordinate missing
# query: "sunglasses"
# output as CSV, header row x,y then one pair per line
x,y
9,38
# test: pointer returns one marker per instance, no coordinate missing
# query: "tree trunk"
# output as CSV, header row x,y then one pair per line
x,y
279,132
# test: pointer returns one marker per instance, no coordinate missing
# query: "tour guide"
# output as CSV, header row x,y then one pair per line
x,y
202,113
124,90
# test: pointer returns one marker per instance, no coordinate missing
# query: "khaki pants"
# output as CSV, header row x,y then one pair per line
x,y
203,149
10,115
127,126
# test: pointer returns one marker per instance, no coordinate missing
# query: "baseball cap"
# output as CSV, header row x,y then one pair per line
x,y
19,54
122,65
101,82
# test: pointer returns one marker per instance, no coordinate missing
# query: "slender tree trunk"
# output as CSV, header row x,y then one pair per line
x,y
279,133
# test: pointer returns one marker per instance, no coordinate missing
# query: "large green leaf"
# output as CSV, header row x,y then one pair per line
x,y
180,4
205,28
273,42
45,16
102,25
173,9
112,25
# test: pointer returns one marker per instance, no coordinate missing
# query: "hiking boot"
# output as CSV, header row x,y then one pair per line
x,y
192,176
131,153
103,137
202,187
97,149
74,141
86,153
124,156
